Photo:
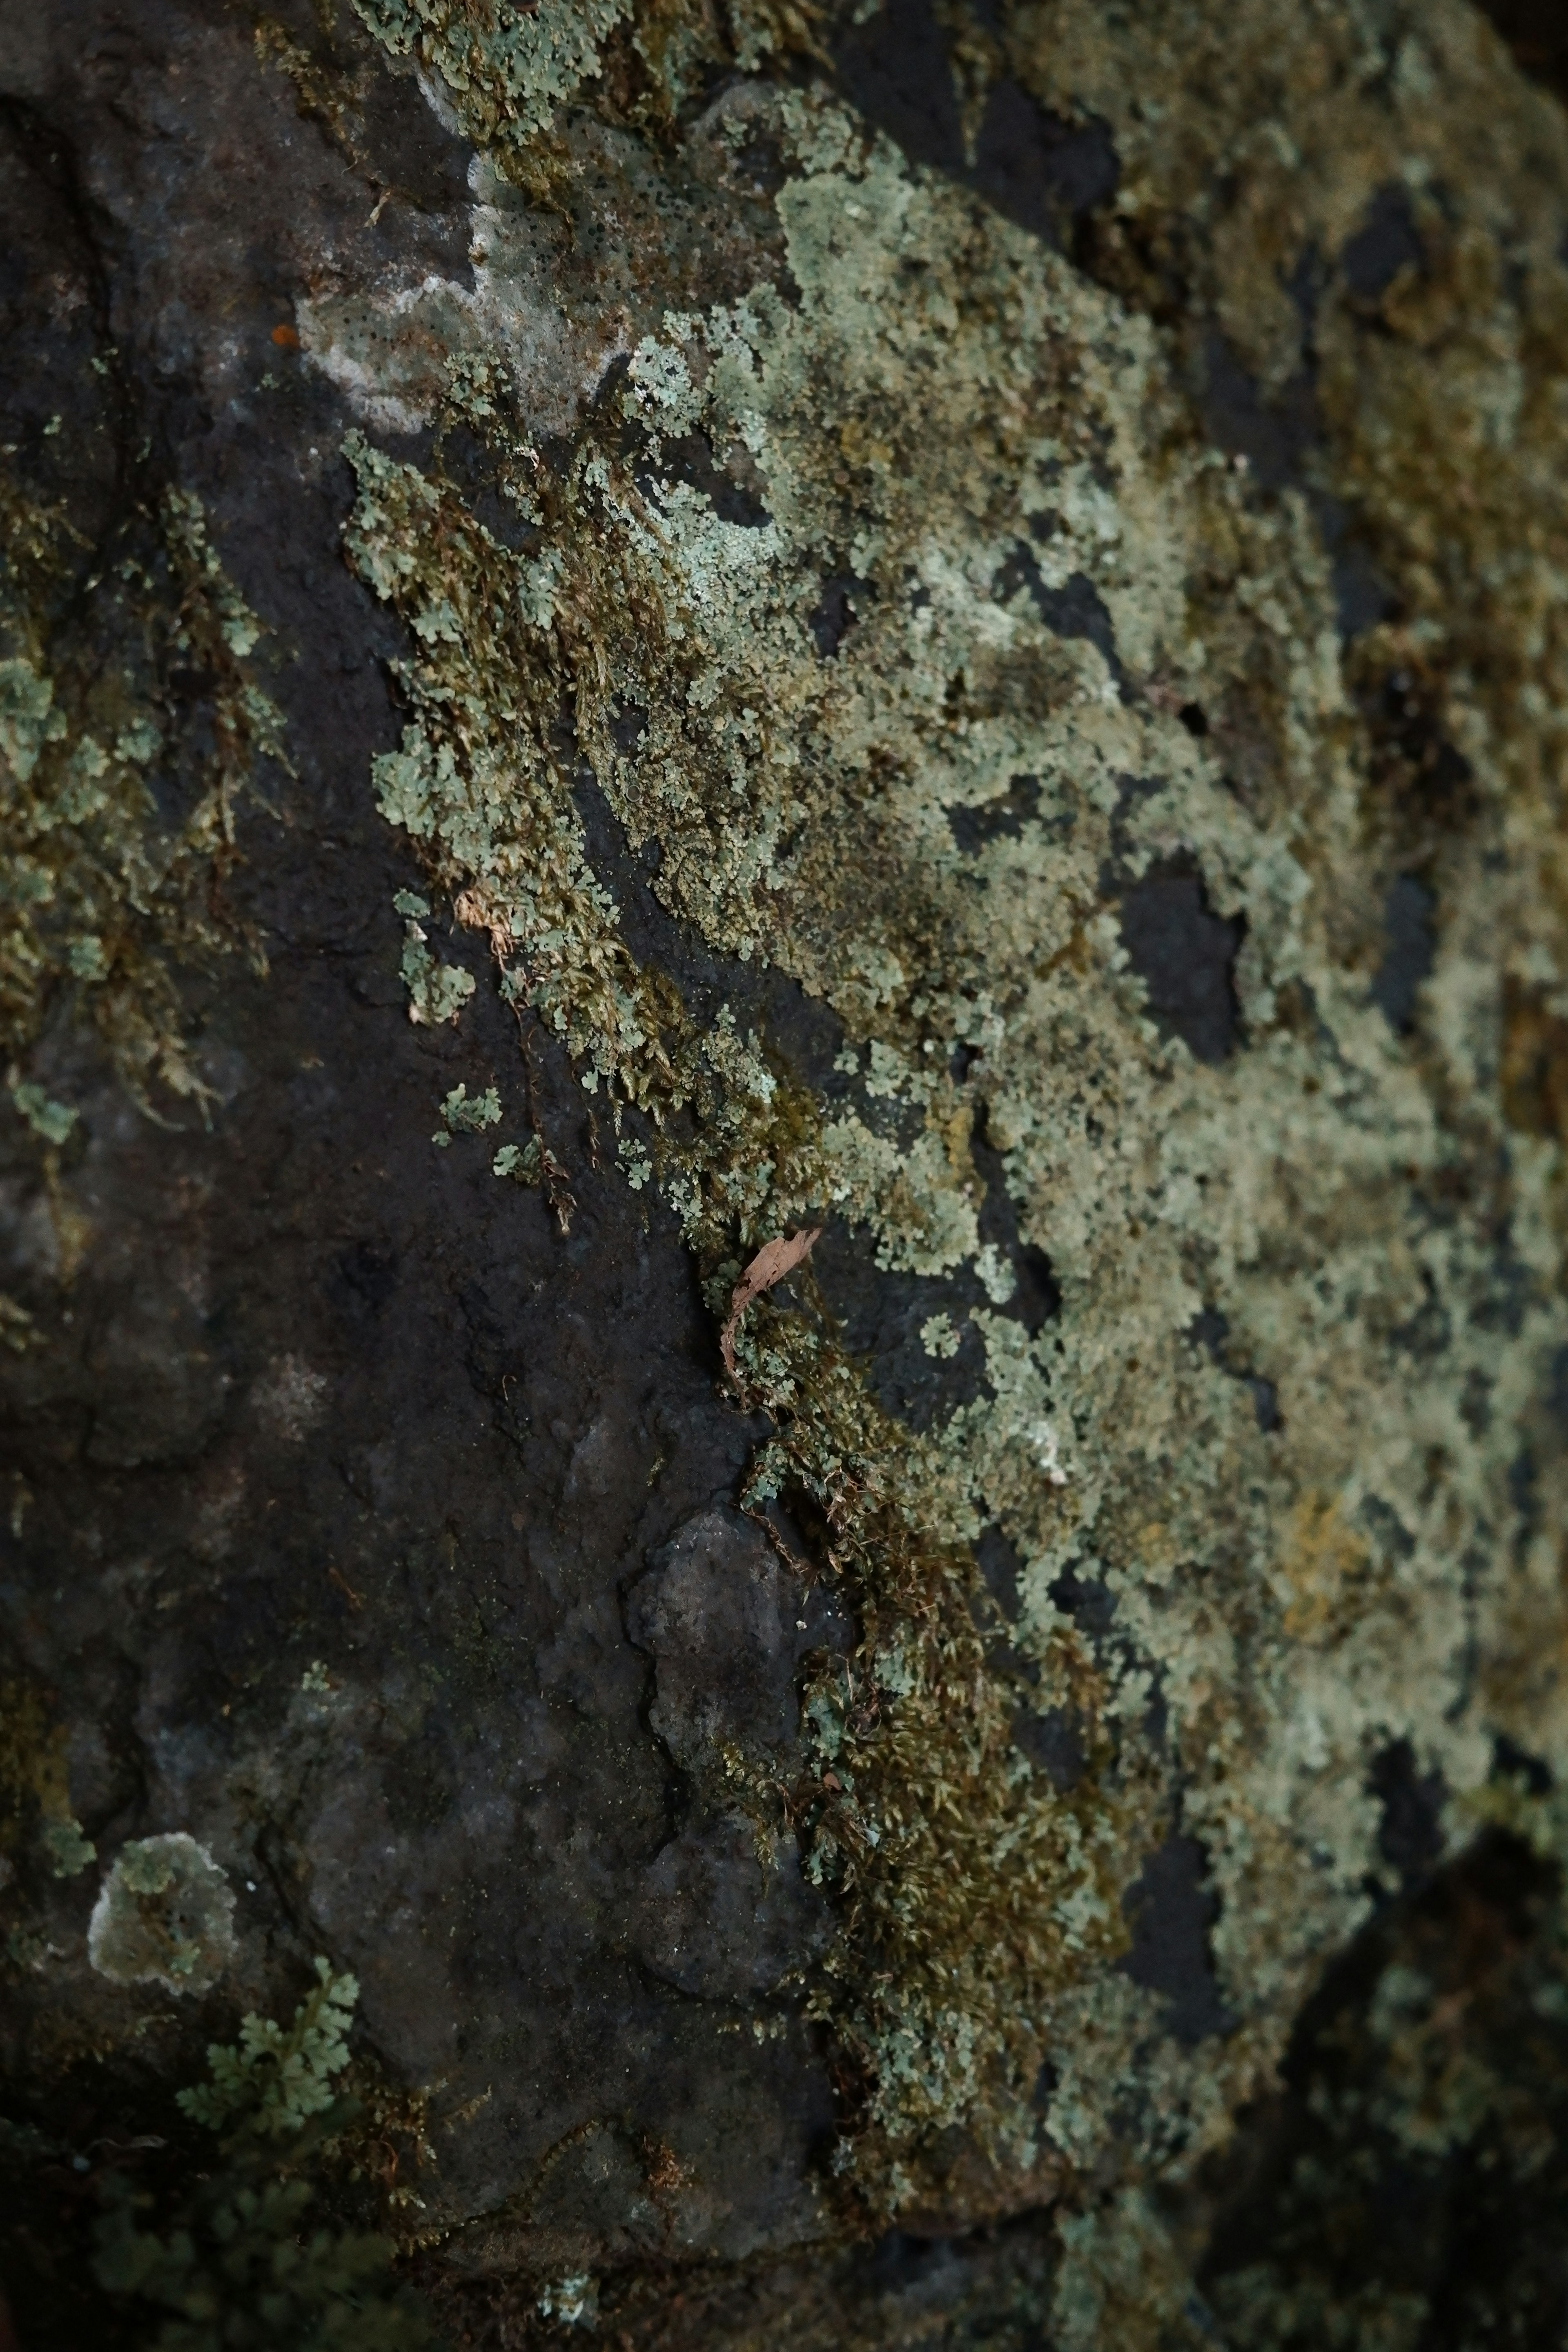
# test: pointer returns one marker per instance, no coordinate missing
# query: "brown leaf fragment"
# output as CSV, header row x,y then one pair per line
x,y
773,1262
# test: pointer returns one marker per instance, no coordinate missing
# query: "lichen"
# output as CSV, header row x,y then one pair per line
x,y
436,991
1309,1269
461,1115
164,1915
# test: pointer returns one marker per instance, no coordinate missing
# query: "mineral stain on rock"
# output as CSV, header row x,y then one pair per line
x,y
916,1772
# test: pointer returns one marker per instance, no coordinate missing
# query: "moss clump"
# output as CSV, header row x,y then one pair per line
x,y
972,1893
117,827
35,1788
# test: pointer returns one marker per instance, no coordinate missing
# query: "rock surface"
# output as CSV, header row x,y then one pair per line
x,y
1122,910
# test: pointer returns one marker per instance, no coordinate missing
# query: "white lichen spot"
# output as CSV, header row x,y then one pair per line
x,y
998,1278
291,1399
164,1915
573,2301
938,1336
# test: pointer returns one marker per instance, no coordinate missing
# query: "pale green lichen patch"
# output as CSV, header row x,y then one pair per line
x,y
165,1915
465,1114
1309,1265
523,1162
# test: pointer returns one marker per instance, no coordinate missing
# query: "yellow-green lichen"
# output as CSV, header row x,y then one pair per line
x,y
1069,611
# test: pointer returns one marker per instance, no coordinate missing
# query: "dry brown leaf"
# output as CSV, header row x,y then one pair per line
x,y
772,1263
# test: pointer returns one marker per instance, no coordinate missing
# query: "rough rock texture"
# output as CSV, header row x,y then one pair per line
x,y
617,644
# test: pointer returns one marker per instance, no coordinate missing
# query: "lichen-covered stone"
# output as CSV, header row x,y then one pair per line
x,y
1063,605
1041,763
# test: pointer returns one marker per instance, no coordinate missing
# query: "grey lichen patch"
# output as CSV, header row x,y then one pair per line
x,y
165,1915
436,991
523,1162
102,896
1309,1268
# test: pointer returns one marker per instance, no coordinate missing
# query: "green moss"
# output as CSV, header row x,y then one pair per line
x,y
101,898
972,1894
35,1786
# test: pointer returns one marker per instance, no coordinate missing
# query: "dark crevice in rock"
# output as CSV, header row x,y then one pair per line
x,y
1210,1330
1408,917
1410,1832
1340,2178
1387,242
1051,1741
1075,609
1273,437
1170,1912
843,597
1185,956
1002,819
1044,172
1537,33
